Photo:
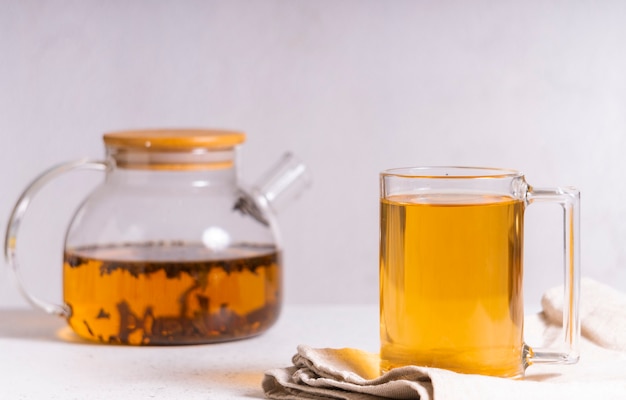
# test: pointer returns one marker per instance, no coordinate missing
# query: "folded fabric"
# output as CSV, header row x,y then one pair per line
x,y
352,374
602,313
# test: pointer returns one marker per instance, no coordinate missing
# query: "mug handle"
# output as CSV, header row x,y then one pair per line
x,y
10,239
569,199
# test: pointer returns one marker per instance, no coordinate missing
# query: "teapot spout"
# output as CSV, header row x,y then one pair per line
x,y
276,189
283,183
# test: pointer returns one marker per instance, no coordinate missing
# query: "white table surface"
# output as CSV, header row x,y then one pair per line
x,y
41,359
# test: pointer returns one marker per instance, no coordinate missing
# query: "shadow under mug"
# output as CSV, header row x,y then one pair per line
x,y
451,250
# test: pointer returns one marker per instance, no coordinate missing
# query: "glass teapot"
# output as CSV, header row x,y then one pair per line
x,y
170,249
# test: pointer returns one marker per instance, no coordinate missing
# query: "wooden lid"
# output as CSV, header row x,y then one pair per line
x,y
174,139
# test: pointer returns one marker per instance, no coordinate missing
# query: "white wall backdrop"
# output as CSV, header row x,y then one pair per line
x,y
352,87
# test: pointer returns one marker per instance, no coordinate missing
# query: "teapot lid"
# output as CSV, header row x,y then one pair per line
x,y
174,139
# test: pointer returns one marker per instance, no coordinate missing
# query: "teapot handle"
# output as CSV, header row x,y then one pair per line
x,y
10,240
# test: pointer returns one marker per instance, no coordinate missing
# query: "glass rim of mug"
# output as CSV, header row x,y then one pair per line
x,y
452,172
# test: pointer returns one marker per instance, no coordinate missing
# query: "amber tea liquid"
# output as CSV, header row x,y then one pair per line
x,y
171,293
451,283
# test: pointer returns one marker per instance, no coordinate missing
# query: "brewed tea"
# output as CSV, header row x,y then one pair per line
x,y
171,292
451,283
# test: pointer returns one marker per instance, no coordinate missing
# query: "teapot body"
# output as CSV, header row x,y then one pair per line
x,y
164,257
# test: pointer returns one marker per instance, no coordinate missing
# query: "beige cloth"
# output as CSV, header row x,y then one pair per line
x,y
352,374
602,313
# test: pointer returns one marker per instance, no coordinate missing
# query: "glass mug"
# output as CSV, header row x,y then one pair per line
x,y
451,249
170,248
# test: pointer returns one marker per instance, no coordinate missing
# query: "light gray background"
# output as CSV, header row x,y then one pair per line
x,y
352,87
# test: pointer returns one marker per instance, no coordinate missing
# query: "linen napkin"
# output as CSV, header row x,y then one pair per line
x,y
602,313
352,374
